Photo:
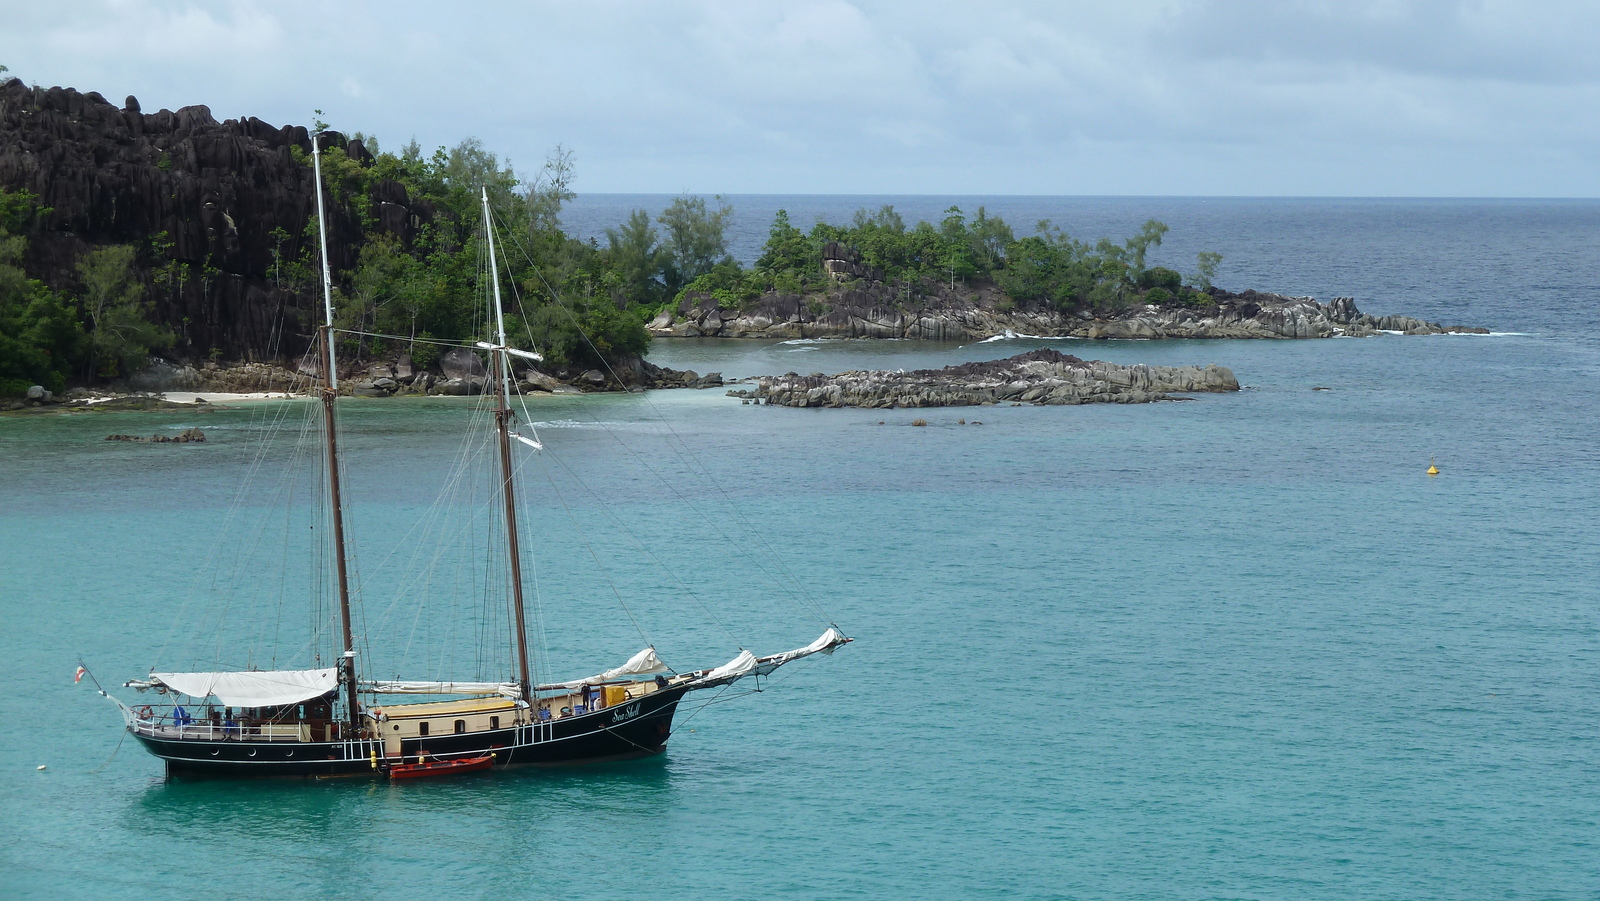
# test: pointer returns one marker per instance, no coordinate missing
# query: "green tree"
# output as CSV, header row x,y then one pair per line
x,y
383,296
121,334
1205,263
695,239
1137,246
787,248
41,339
550,190
637,259
988,239
1161,277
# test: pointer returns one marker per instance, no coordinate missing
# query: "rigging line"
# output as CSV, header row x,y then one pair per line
x,y
623,527
215,550
288,487
692,505
688,454
539,639
113,754
220,615
578,529
284,540
670,486
424,576
719,699
516,293
439,342
794,588
471,439
696,712
445,502
420,522
803,593
533,559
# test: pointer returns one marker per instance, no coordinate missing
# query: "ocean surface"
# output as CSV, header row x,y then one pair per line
x,y
1235,647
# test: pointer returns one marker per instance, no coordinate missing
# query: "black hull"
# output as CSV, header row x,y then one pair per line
x,y
637,729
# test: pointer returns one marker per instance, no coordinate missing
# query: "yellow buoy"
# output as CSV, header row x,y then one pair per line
x,y
1432,469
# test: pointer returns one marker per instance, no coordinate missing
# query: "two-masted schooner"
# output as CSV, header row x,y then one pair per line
x,y
330,721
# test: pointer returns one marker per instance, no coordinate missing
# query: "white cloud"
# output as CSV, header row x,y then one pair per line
x,y
1165,96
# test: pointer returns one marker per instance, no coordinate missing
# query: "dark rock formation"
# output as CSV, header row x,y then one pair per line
x,y
232,200
460,363
187,436
1036,377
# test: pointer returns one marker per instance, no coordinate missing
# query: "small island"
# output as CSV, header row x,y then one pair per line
x,y
964,280
1044,377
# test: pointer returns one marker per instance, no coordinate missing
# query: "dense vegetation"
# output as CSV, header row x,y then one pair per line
x,y
40,338
583,301
1049,267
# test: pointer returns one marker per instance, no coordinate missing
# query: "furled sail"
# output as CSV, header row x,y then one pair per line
x,y
403,687
644,663
824,644
747,663
738,667
253,689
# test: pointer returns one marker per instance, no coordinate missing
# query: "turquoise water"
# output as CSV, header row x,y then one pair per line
x,y
1236,647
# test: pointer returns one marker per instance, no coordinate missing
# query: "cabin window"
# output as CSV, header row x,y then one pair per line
x,y
461,726
422,728
397,727
494,722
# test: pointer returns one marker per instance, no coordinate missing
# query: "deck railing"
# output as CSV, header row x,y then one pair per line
x,y
190,729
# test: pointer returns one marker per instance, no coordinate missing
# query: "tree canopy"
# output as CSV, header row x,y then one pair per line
x,y
580,303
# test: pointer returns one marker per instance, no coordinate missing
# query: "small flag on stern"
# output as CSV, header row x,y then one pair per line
x,y
78,676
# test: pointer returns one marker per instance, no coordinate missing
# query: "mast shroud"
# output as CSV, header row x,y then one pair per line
x,y
500,371
330,391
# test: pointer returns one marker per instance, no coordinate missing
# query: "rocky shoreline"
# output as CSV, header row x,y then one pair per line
x,y
1043,377
978,314
457,372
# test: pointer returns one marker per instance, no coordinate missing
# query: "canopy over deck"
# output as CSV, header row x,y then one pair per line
x,y
271,688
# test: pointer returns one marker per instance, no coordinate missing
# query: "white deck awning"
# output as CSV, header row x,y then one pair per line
x,y
271,688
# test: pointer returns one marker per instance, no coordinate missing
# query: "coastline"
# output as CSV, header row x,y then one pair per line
x,y
980,314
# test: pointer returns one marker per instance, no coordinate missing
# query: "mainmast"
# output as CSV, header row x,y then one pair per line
x,y
330,390
500,371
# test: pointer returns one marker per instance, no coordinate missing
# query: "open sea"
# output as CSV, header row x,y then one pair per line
x,y
1235,647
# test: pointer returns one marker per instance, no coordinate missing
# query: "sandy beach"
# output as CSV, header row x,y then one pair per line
x,y
221,397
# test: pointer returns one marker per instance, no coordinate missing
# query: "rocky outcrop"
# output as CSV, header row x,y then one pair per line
x,y
187,436
216,210
1038,377
241,378
458,372
460,363
968,314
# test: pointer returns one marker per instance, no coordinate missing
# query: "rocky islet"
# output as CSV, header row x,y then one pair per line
x,y
977,314
1042,377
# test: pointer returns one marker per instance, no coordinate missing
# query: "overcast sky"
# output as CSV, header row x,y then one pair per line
x,y
1188,97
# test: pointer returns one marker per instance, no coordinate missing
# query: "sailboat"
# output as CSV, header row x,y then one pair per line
x,y
331,721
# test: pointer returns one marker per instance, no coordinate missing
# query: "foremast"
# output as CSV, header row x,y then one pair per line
x,y
500,372
330,390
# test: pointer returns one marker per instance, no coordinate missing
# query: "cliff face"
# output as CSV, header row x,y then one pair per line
x,y
231,198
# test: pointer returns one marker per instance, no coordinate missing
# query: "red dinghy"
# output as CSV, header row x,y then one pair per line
x,y
440,767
